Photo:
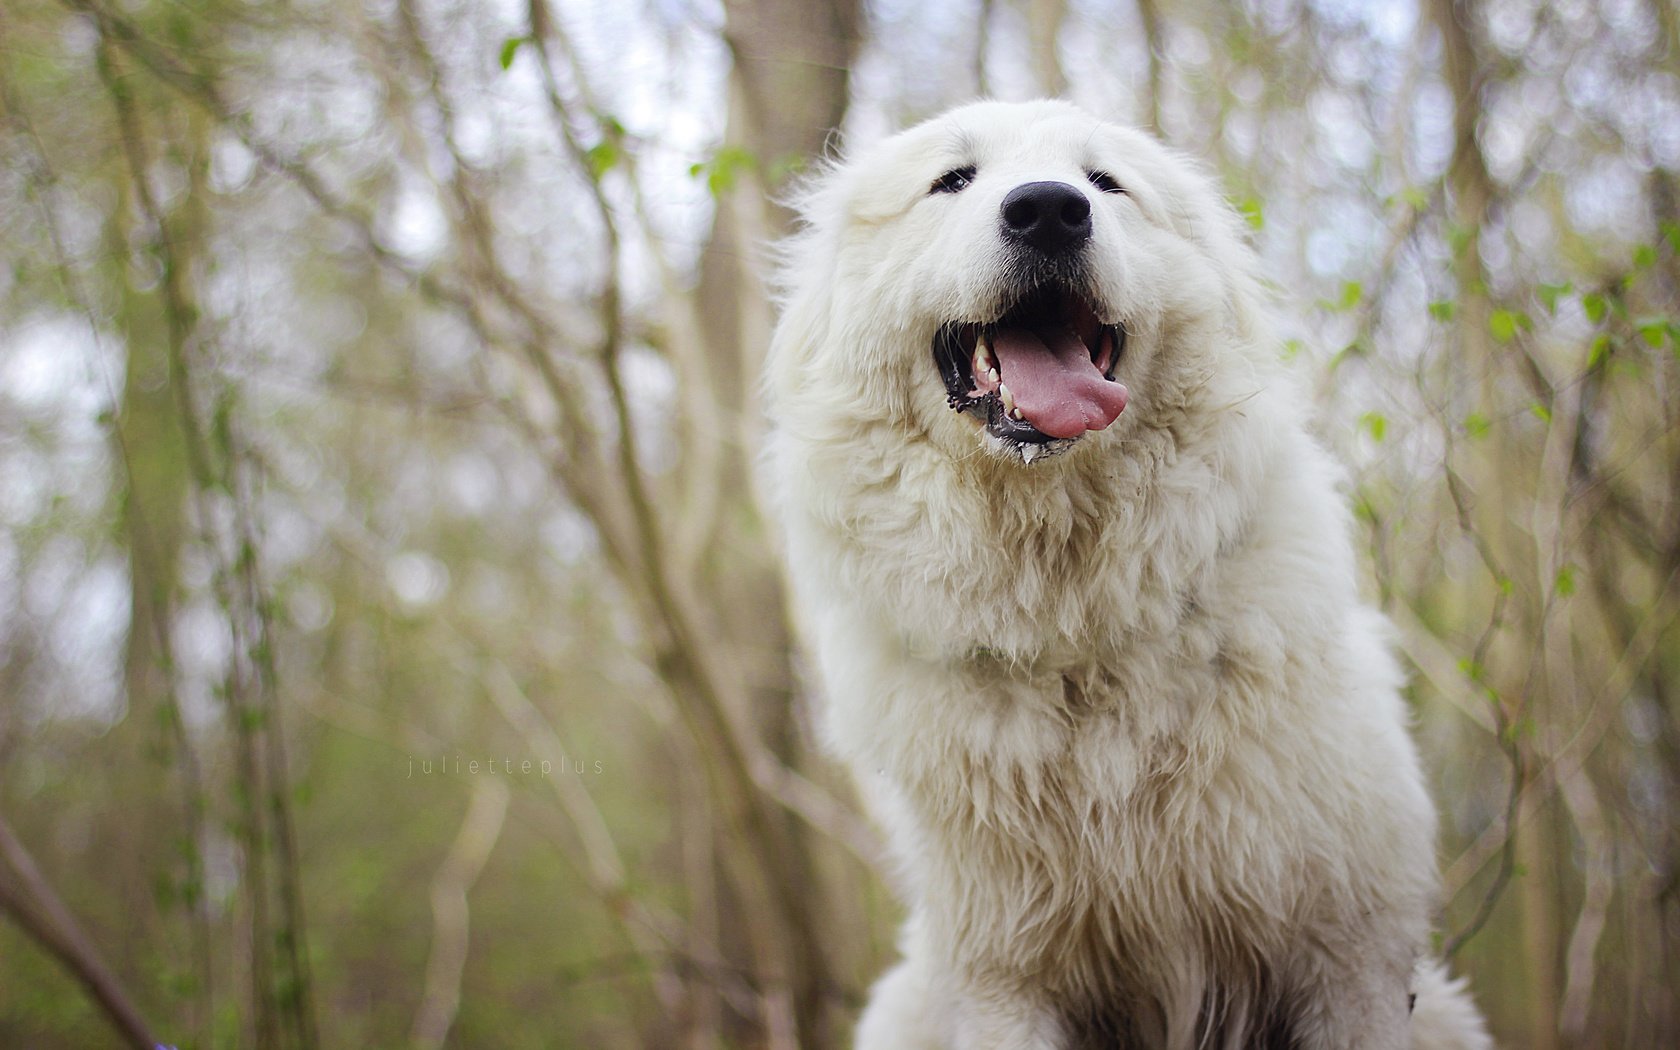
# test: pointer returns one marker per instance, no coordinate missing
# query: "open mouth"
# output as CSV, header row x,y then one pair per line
x,y
1040,376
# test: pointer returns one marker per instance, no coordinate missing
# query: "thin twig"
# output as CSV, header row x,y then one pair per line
x,y
27,896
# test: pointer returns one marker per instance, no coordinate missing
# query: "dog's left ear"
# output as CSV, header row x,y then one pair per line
x,y
1202,214
804,276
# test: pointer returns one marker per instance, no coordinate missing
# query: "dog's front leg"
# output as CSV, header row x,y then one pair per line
x,y
906,1011
1002,1020
1369,1009
911,1008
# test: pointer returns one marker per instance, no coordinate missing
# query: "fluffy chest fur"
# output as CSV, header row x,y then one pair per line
x,y
1112,747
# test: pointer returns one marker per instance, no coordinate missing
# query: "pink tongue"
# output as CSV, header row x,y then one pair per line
x,y
1053,382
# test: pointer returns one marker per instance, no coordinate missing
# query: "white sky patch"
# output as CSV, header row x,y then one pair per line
x,y
473,482
1655,112
56,376
570,537
1586,85
289,536
86,641
1432,130
1605,199
231,164
1390,24
203,643
25,486
1242,134
650,386
309,607
80,213
1327,251
1532,226
1341,131
416,578
90,643
1505,143
10,583
1510,26
51,366
415,226
314,90
478,136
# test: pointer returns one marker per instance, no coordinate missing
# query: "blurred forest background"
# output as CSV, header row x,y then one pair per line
x,y
376,399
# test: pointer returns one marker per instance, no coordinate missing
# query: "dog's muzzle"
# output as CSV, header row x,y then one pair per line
x,y
1041,375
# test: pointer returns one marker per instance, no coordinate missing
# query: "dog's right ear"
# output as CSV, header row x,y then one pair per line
x,y
805,273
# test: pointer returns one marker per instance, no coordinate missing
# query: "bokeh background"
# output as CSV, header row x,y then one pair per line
x,y
377,399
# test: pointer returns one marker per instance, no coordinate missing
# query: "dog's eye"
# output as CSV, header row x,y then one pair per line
x,y
954,181
1102,180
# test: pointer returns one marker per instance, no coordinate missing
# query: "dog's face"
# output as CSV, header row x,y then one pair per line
x,y
1002,274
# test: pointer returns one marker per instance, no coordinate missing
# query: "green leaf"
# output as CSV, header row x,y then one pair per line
x,y
1522,727
1414,197
1644,257
1353,349
1505,324
1652,330
1364,510
1443,309
602,157
1375,424
787,164
1252,212
1595,306
1540,411
723,170
510,48
1476,426
1599,351
1564,585
1551,293
1352,291
1458,238
1671,234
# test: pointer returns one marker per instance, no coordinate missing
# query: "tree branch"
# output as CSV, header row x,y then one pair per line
x,y
28,898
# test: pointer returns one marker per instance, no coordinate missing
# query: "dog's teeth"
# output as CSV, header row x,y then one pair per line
x,y
1029,453
1016,413
992,374
1008,400
983,357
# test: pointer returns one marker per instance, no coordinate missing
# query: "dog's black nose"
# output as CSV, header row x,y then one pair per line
x,y
1051,216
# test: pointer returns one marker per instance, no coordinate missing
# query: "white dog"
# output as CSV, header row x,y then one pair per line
x,y
1083,600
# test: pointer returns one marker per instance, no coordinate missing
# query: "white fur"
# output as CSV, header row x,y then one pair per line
x,y
1137,742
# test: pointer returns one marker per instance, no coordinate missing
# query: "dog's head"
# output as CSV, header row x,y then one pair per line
x,y
1005,275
